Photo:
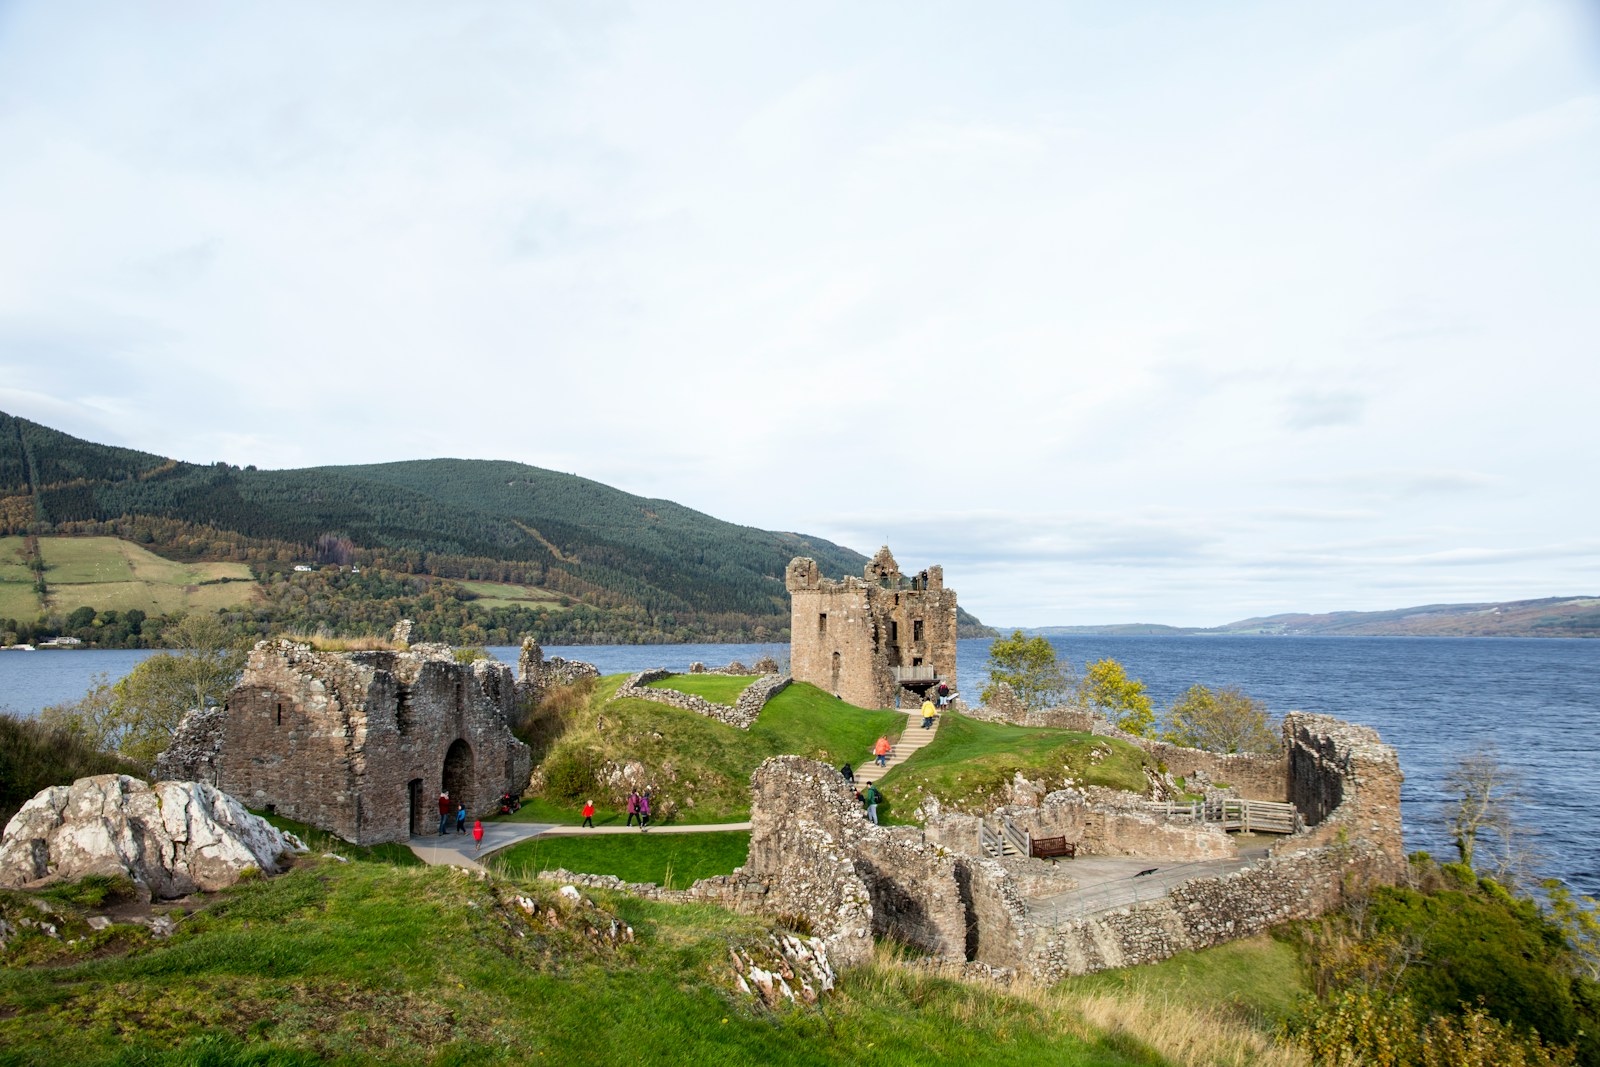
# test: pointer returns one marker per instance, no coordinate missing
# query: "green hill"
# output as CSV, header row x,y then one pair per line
x,y
635,569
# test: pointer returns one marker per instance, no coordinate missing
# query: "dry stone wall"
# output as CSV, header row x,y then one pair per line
x,y
741,714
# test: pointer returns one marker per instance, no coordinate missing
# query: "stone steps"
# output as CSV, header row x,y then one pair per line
x,y
912,739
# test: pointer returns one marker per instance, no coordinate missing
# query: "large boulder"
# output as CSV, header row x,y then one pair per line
x,y
171,838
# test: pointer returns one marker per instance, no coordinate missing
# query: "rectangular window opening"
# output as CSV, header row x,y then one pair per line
x,y
916,629
822,623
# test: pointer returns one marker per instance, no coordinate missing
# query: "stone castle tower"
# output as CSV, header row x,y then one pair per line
x,y
865,639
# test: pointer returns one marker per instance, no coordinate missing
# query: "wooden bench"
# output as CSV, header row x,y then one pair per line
x,y
1049,848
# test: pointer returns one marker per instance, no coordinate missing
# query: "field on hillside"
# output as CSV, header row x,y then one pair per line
x,y
107,573
508,595
17,598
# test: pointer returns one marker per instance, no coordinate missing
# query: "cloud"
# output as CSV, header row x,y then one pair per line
x,y
1314,408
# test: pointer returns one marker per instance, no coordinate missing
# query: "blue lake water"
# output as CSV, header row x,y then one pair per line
x,y
1435,699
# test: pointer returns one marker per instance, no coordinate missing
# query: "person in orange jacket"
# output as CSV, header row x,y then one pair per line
x,y
881,750
588,814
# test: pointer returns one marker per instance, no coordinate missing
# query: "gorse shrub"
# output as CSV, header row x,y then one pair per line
x,y
1364,1028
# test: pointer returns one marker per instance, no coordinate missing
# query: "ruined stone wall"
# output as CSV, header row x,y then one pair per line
x,y
1201,913
741,714
357,742
847,636
1346,783
1105,822
537,675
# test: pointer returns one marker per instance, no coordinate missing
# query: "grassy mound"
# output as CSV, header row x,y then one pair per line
x,y
699,768
676,861
365,963
969,763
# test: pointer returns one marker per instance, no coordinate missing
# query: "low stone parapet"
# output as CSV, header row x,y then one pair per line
x,y
741,714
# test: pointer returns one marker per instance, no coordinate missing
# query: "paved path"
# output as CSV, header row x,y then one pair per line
x,y
455,850
1106,882
671,828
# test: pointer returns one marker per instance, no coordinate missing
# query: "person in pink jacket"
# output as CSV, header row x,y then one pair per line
x,y
633,807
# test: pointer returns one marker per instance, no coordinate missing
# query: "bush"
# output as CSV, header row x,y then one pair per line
x,y
34,756
569,774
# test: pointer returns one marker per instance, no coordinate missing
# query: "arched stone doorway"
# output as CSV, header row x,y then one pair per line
x,y
458,776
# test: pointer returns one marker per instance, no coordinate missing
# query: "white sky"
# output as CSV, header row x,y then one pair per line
x,y
1122,312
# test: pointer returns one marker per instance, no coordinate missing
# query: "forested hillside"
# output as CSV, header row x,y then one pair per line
x,y
582,561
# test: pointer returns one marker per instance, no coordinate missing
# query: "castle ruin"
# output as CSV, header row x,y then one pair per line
x,y
868,639
362,743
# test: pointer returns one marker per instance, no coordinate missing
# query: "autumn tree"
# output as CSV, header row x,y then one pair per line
x,y
1028,665
1107,688
1221,720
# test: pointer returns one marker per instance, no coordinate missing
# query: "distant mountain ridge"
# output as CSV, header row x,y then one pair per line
x,y
1577,616
617,567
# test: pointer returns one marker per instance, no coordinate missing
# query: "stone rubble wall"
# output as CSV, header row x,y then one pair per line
x,y
170,839
537,675
741,714
1201,913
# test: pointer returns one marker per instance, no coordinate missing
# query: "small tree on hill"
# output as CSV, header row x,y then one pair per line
x,y
1030,667
1107,688
137,716
1221,720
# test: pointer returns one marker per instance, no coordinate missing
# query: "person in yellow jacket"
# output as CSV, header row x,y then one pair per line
x,y
928,713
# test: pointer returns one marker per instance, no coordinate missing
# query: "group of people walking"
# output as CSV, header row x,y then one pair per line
x,y
638,806
460,819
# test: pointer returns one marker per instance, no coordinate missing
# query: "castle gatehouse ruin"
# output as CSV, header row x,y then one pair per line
x,y
362,743
868,639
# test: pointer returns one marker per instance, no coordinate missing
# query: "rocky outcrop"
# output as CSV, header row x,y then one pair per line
x,y
171,839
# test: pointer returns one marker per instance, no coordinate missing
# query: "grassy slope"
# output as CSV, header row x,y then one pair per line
x,y
673,860
969,763
365,963
702,767
510,595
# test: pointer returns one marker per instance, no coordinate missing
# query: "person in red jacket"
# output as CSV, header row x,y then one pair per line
x,y
444,813
588,814
477,835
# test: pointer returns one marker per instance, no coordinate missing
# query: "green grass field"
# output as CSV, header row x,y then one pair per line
x,y
366,964
700,768
507,595
717,688
969,764
106,573
17,597
676,861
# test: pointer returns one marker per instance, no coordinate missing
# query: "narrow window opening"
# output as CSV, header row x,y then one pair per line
x,y
822,624
280,713
916,630
894,632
